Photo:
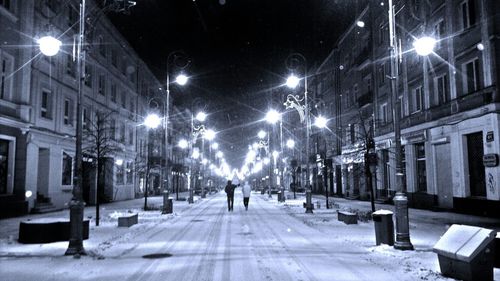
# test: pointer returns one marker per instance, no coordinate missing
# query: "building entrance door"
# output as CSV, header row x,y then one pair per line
x,y
4,165
443,170
475,152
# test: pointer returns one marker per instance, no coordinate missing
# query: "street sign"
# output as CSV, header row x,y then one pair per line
x,y
490,160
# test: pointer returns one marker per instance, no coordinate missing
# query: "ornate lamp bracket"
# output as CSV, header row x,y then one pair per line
x,y
293,101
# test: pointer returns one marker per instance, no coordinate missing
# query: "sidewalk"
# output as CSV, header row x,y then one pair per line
x,y
415,215
9,227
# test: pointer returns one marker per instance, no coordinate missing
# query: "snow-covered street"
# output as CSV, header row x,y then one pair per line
x,y
204,241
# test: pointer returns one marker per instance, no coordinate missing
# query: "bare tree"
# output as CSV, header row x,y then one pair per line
x,y
100,143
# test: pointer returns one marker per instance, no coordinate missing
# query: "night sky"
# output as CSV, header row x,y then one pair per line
x,y
238,49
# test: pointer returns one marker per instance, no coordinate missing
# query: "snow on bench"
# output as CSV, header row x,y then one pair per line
x,y
48,230
347,217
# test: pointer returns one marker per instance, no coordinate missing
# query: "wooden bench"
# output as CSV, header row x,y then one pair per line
x,y
47,230
347,217
128,220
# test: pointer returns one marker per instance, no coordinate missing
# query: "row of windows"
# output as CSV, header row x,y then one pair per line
x,y
68,118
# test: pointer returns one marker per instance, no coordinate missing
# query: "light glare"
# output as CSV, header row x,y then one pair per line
x,y
49,45
152,121
292,81
181,79
424,46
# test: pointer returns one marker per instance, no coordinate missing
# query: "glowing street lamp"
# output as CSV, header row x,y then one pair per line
x,y
49,45
181,79
219,154
290,143
201,116
292,81
424,46
183,143
209,134
215,145
152,121
273,116
320,122
261,134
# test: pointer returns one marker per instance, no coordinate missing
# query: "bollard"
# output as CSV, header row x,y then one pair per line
x,y
309,205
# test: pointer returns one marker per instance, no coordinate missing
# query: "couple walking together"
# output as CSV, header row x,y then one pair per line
x,y
229,189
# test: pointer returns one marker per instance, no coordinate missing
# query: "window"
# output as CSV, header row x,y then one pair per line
x,y
6,69
130,173
439,32
381,74
102,47
86,118
72,16
417,99
70,65
112,129
442,89
131,135
122,133
347,99
383,113
383,34
68,112
114,58
46,106
421,170
67,168
472,76
88,75
124,99
468,10
120,173
102,85
113,92
5,3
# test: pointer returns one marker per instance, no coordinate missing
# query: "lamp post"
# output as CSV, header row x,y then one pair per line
x,y
152,121
321,122
290,143
272,117
423,46
50,46
180,61
294,101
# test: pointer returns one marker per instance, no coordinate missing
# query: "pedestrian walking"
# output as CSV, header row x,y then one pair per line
x,y
246,190
229,189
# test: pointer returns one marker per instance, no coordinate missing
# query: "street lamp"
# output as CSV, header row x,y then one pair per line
x,y
423,46
261,134
272,116
295,101
321,122
201,116
180,61
49,45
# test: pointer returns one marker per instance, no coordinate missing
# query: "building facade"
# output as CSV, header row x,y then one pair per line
x,y
38,108
448,103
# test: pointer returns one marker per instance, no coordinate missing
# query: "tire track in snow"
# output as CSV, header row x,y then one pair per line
x,y
353,268
263,250
206,265
150,266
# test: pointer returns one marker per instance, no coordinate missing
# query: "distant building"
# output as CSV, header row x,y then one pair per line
x,y
38,108
448,100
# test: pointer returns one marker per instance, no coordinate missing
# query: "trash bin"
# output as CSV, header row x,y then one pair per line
x,y
467,253
167,203
384,227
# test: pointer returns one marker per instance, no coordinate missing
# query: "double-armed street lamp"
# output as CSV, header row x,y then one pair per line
x,y
301,104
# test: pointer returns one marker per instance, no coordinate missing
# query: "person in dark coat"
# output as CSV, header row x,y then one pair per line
x,y
229,189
